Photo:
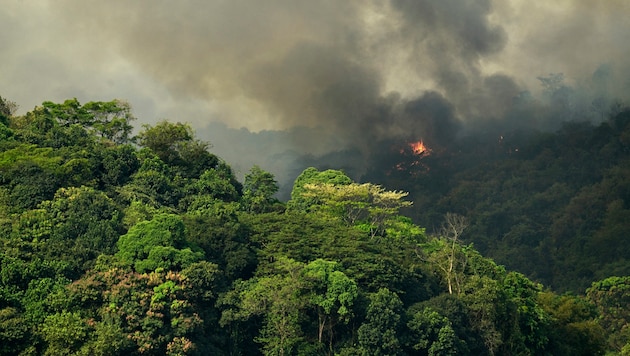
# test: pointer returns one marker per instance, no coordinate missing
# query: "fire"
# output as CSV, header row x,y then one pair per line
x,y
411,155
419,148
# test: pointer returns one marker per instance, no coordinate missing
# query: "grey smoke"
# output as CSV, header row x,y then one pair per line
x,y
288,79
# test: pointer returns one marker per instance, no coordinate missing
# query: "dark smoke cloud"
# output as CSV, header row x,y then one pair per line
x,y
310,78
300,63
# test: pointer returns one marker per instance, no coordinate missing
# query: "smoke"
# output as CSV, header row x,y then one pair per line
x,y
309,78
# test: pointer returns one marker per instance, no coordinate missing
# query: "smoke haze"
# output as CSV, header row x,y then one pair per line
x,y
276,82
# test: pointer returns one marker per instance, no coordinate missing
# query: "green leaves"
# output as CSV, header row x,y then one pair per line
x,y
278,298
258,190
433,333
368,207
379,334
611,297
176,146
332,291
158,243
106,249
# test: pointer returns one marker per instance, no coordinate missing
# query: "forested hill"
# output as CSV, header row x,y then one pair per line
x,y
114,244
554,206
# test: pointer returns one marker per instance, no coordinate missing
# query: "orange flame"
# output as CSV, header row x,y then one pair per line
x,y
419,148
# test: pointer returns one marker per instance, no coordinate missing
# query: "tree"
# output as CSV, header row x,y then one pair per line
x,y
277,298
530,323
152,184
14,331
84,223
32,174
118,165
138,313
7,108
215,184
64,333
299,201
258,190
452,228
367,206
573,328
158,243
175,144
73,124
111,120
218,231
379,334
611,297
485,301
433,334
332,294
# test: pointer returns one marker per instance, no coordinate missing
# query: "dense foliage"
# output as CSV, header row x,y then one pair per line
x,y
554,206
114,245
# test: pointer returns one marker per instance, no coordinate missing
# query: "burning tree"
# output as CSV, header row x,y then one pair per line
x,y
412,153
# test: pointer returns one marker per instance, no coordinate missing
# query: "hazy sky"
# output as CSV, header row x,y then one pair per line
x,y
369,69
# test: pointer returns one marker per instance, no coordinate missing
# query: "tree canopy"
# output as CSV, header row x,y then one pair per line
x,y
149,245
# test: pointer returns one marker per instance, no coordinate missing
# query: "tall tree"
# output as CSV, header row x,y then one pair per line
x,y
176,145
7,109
452,228
332,294
367,206
258,190
277,298
379,334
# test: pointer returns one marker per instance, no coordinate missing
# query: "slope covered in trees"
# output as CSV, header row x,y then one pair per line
x,y
113,244
554,206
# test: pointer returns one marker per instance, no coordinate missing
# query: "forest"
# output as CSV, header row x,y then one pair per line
x,y
117,243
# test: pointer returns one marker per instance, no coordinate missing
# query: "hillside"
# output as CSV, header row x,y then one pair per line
x,y
554,205
114,244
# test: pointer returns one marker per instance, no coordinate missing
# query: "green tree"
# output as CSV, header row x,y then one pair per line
x,y
84,224
111,120
379,334
369,207
300,202
203,283
433,334
14,331
152,184
64,333
332,294
118,165
485,303
31,174
149,310
73,124
175,144
529,328
611,297
158,243
277,298
7,108
258,190
574,329
214,185
219,232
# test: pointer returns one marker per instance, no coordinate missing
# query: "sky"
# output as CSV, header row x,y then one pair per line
x,y
267,80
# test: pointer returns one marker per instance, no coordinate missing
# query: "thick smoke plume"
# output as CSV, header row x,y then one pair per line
x,y
344,76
